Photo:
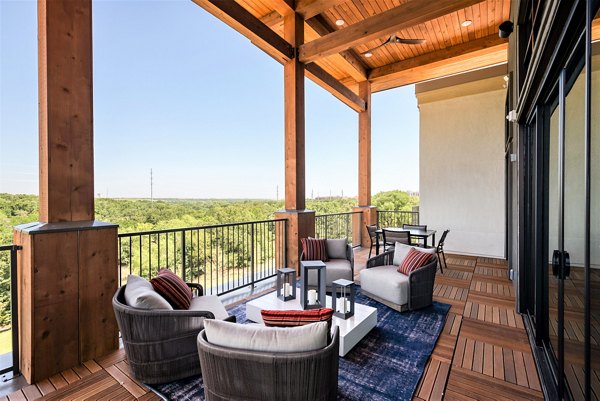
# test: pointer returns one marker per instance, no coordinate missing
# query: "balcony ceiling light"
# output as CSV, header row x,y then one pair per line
x,y
466,23
368,54
340,22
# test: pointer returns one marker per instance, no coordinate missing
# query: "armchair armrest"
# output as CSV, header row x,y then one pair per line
x,y
421,282
383,259
196,288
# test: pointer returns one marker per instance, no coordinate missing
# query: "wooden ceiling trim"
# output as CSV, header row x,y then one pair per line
x,y
273,20
474,61
337,89
465,49
250,26
310,8
283,7
355,67
386,23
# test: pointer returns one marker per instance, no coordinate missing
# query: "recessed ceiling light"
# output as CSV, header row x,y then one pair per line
x,y
340,22
368,54
466,23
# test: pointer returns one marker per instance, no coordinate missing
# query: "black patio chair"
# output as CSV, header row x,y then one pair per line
x,y
440,250
390,237
371,229
416,227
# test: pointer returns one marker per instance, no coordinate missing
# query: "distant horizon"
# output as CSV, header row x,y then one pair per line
x,y
172,95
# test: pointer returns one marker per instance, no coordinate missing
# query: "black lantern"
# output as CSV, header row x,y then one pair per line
x,y
343,307
311,297
286,284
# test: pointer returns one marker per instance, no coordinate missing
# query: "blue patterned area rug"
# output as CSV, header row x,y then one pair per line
x,y
386,365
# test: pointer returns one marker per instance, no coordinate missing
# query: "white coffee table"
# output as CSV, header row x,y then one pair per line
x,y
352,330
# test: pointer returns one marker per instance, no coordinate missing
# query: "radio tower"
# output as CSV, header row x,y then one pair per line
x,y
151,186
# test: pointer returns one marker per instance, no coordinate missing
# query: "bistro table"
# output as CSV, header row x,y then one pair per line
x,y
413,233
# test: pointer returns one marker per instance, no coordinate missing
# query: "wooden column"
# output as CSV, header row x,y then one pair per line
x,y
301,223
65,111
67,271
369,213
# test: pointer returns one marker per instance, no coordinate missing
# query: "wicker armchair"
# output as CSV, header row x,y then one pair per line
x,y
161,344
233,374
381,281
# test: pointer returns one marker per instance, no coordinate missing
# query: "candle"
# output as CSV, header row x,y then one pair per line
x,y
287,289
343,305
312,297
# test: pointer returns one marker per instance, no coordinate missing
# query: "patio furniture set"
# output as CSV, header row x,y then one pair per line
x,y
171,330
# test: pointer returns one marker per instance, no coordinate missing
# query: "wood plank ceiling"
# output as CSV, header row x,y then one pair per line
x,y
338,53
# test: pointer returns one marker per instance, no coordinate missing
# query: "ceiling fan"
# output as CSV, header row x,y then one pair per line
x,y
395,39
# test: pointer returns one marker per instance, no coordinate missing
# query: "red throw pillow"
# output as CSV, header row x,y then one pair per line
x,y
314,249
289,318
413,260
173,289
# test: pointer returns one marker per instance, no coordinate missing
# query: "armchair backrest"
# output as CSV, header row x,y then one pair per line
x,y
311,375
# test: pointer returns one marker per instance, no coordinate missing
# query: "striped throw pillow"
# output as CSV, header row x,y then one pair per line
x,y
314,249
413,260
289,318
173,289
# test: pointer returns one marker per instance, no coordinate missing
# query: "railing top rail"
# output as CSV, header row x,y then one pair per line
x,y
175,230
337,214
10,247
396,211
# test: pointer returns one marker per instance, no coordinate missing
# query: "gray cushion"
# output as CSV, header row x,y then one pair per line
x,y
385,282
267,339
336,248
139,293
209,303
335,269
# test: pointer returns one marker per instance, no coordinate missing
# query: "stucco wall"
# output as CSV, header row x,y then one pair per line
x,y
462,165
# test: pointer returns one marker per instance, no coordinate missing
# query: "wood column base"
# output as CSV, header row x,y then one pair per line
x,y
300,224
67,276
368,217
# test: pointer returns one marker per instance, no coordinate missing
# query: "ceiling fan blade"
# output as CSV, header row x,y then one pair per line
x,y
408,41
389,40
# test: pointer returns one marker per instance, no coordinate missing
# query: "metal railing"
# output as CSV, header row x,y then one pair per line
x,y
336,225
395,218
223,258
8,261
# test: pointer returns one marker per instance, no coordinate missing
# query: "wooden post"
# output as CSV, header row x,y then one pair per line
x,y
65,111
300,222
364,146
369,213
67,271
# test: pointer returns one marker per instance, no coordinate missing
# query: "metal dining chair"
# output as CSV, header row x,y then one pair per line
x,y
390,237
440,250
416,227
371,229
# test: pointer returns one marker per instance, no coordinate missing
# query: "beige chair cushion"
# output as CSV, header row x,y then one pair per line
x,y
139,293
209,303
335,269
310,337
385,282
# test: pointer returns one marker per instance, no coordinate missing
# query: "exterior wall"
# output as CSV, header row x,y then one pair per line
x,y
462,167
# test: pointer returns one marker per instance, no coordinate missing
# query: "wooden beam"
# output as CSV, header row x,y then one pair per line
x,y
354,66
251,27
293,77
283,7
364,146
66,129
404,16
333,86
310,8
272,20
480,53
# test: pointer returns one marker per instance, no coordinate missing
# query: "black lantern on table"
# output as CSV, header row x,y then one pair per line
x,y
286,284
343,307
312,298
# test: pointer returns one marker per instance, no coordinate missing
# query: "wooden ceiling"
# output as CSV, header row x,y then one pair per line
x,y
335,55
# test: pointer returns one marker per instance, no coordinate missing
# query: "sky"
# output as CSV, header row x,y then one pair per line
x,y
178,92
